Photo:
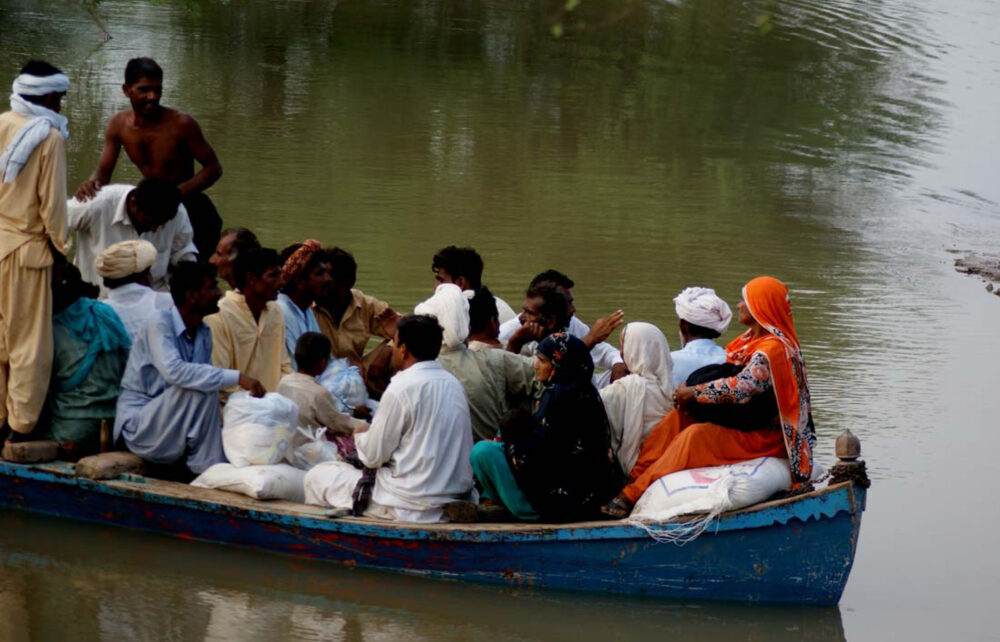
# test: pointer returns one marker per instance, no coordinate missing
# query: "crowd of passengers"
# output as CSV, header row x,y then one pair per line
x,y
532,413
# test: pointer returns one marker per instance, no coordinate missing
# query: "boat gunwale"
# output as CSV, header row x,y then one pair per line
x,y
830,501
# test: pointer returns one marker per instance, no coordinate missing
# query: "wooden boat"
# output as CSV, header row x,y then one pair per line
x,y
799,549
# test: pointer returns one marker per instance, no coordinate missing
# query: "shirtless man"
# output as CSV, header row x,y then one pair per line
x,y
163,143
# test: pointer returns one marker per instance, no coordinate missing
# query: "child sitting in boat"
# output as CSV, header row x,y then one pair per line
x,y
317,406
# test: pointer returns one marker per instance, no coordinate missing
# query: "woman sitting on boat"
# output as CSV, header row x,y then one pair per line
x,y
637,402
556,465
768,353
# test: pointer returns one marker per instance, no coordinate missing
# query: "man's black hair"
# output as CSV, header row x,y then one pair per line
x,y
422,335
343,268
256,262
189,276
39,68
555,304
482,310
460,262
111,284
701,331
142,68
554,276
157,198
310,350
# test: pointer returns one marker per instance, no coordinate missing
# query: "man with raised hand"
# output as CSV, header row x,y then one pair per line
x,y
32,236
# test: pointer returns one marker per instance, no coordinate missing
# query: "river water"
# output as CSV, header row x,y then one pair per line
x,y
848,148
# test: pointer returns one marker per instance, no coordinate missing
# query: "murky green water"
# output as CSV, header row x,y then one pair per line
x,y
845,147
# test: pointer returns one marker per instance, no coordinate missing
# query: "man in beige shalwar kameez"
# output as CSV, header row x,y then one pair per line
x,y
32,227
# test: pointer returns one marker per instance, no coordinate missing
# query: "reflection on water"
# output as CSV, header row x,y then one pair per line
x,y
134,586
841,146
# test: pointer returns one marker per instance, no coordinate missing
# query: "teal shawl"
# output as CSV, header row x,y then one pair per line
x,y
95,324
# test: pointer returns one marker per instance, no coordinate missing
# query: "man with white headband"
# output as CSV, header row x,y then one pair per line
x,y
32,235
702,317
125,270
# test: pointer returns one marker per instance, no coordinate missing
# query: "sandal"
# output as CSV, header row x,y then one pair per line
x,y
618,508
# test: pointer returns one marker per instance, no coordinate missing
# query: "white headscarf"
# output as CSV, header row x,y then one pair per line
x,y
636,403
701,306
125,258
450,307
36,130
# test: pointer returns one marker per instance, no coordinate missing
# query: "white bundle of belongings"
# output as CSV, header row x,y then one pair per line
x,y
709,492
258,431
312,447
279,481
345,384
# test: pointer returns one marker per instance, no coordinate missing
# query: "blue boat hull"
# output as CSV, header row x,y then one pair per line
x,y
798,551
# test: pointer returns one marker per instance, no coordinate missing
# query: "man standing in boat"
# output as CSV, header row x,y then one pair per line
x,y
163,143
32,236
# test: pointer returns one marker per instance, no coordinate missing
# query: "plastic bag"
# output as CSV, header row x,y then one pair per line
x,y
312,447
280,481
258,431
345,383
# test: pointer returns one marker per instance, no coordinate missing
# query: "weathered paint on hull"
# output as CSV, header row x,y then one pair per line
x,y
797,552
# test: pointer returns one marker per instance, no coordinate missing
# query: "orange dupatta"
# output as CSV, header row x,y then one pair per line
x,y
767,300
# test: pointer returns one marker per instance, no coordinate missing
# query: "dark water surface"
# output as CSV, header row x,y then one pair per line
x,y
847,148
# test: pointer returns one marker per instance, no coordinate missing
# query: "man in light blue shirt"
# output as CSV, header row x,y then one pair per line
x,y
168,410
307,277
702,317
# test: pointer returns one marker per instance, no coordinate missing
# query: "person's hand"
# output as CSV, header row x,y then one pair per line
x,y
88,189
363,412
530,331
618,371
362,428
683,396
255,387
603,328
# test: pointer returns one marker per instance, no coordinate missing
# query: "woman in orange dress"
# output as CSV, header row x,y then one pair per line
x,y
772,364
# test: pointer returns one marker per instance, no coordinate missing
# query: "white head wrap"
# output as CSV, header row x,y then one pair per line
x,y
28,85
125,258
701,306
36,130
636,403
451,308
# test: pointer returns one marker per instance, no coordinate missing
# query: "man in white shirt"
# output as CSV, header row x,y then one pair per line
x,y
606,357
124,268
463,267
702,317
151,211
419,442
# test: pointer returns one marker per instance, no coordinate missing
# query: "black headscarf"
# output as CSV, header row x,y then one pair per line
x,y
561,457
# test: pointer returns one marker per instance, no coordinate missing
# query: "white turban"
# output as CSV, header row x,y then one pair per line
x,y
28,85
450,307
124,259
40,121
701,306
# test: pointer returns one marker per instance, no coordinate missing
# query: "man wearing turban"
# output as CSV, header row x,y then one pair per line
x,y
702,317
125,270
32,235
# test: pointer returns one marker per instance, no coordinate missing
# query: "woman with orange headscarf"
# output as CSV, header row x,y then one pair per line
x,y
772,364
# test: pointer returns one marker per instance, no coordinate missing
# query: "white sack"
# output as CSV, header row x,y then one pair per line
x,y
280,481
258,431
345,384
